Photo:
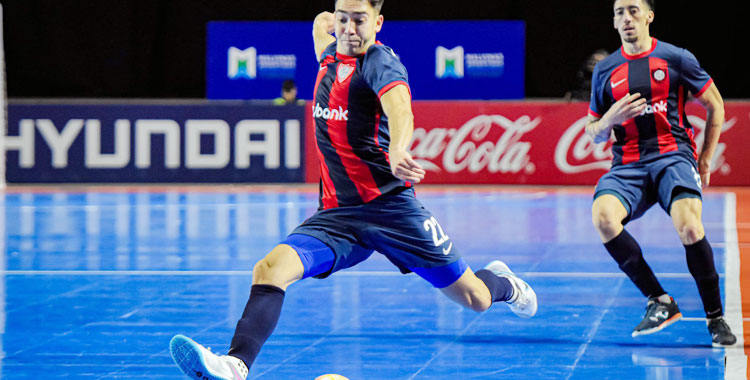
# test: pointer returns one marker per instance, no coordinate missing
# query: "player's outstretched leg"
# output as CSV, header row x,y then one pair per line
x,y
658,316
523,301
196,361
271,276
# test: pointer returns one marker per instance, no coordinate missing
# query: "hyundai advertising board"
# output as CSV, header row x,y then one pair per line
x,y
154,143
445,59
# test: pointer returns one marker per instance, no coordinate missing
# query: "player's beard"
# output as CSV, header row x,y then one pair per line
x,y
629,38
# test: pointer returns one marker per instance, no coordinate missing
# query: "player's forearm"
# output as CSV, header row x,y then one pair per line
x,y
320,32
396,104
714,123
598,130
401,128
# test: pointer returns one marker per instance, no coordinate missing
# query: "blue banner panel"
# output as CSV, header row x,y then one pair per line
x,y
460,59
250,60
211,143
445,59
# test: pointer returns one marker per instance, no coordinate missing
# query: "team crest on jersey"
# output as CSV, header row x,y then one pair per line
x,y
343,72
659,75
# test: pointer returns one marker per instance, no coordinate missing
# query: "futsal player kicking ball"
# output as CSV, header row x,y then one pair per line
x,y
639,92
363,126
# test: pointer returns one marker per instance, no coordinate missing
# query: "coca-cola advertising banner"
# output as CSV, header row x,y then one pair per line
x,y
537,143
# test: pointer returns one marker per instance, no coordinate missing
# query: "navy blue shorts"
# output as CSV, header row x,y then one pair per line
x,y
396,225
639,185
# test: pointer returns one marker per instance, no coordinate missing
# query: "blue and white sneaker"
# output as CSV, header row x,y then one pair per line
x,y
197,362
523,302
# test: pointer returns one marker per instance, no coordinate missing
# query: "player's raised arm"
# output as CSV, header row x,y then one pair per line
x,y
323,27
396,104
714,104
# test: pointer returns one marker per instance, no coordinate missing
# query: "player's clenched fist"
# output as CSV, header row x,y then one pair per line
x,y
325,21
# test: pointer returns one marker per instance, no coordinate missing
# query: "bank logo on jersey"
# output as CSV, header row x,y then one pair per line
x,y
449,63
339,114
658,107
343,72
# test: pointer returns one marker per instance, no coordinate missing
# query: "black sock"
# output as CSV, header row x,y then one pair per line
x,y
628,255
700,261
500,287
257,323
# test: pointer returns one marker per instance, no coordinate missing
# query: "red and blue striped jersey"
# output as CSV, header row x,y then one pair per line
x,y
663,76
351,130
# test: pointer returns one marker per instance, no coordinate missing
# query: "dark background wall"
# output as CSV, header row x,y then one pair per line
x,y
155,48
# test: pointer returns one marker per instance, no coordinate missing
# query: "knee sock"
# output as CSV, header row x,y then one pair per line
x,y
628,255
500,287
257,323
700,261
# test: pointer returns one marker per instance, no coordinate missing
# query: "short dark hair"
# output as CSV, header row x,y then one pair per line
x,y
377,4
288,85
650,3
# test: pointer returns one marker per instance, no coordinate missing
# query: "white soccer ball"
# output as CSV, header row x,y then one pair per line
x,y
331,376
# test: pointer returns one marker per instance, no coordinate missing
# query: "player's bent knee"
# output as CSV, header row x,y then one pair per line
x,y
691,233
263,271
606,223
278,268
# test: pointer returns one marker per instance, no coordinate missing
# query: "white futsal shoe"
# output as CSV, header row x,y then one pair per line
x,y
197,362
523,302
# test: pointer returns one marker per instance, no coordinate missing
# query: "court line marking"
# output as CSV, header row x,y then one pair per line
x,y
294,356
735,358
14,272
444,348
595,328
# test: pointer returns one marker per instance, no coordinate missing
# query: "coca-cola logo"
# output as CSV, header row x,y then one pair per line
x,y
576,152
473,148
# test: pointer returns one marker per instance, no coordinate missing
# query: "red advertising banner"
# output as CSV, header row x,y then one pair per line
x,y
537,143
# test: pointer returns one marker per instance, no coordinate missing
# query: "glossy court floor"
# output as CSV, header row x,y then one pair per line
x,y
95,281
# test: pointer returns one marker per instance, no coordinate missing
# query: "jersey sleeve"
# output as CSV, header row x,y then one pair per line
x,y
597,105
695,78
383,70
329,50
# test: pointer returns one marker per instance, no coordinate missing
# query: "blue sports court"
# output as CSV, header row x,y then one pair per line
x,y
95,281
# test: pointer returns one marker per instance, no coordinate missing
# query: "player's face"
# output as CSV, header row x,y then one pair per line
x,y
356,26
632,18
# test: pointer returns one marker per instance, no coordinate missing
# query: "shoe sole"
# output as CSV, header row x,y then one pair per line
x,y
722,345
719,345
187,355
662,326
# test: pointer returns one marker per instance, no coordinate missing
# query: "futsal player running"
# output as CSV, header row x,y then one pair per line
x,y
639,93
363,126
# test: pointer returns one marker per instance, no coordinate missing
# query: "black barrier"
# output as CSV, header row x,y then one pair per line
x,y
125,143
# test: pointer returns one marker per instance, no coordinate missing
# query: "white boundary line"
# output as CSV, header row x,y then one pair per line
x,y
345,273
736,360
